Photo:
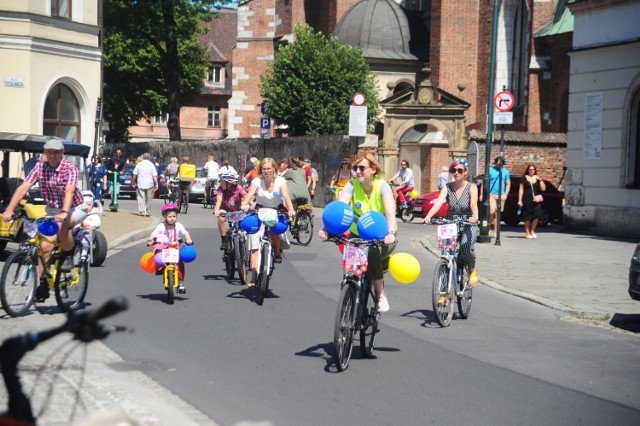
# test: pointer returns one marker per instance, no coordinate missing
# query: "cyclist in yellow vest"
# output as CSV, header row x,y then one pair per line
x,y
370,192
184,179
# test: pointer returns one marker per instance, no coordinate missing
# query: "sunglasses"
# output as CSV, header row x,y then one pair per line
x,y
532,170
360,168
460,171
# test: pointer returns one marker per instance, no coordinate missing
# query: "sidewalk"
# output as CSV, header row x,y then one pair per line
x,y
105,390
585,276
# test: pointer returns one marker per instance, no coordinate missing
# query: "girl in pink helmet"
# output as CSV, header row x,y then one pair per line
x,y
167,231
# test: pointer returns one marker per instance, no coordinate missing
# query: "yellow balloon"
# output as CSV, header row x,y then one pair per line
x,y
414,194
404,267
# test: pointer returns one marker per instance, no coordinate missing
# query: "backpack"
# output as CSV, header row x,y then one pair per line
x,y
187,172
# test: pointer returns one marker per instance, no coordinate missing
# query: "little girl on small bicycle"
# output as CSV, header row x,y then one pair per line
x,y
229,196
173,231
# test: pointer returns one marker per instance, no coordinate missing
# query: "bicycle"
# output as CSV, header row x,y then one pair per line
x,y
235,256
209,199
20,275
302,225
357,305
170,255
172,192
450,274
269,218
329,193
183,201
85,327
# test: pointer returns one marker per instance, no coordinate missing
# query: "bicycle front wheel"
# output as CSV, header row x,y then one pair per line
x,y
369,323
170,281
305,229
465,297
442,295
230,260
344,327
239,250
71,287
18,283
263,277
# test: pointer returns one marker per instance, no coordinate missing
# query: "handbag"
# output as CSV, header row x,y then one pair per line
x,y
536,198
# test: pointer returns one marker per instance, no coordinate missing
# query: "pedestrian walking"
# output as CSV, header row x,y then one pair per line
x,y
145,180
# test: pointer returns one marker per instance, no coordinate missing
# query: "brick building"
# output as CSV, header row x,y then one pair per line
x,y
453,41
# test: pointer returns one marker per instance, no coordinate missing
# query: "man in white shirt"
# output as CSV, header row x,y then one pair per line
x,y
145,180
211,169
407,183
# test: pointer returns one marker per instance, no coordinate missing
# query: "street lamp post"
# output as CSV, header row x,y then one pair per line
x,y
484,236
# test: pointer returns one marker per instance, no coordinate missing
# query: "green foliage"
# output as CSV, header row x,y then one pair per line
x,y
310,85
152,55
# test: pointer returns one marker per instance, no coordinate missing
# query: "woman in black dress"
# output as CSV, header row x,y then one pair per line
x,y
531,184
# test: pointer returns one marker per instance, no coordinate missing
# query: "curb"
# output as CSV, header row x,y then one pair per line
x,y
567,309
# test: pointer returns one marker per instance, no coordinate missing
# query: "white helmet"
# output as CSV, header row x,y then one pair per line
x,y
231,177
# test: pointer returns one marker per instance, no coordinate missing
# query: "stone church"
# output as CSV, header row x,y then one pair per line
x,y
431,59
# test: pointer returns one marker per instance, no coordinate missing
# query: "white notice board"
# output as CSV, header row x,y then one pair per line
x,y
593,106
357,120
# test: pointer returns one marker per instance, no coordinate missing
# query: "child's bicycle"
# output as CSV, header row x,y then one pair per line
x,y
20,274
451,276
235,255
170,254
85,327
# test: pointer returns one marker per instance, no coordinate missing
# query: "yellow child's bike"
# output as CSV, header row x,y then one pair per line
x,y
21,271
169,253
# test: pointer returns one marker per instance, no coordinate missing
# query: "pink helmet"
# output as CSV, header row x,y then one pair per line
x,y
170,207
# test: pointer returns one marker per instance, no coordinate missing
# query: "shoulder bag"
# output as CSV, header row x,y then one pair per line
x,y
536,198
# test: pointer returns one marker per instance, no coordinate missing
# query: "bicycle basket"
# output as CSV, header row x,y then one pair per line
x,y
268,216
235,216
354,259
448,237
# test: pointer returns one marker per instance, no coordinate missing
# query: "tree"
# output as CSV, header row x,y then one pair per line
x,y
310,84
153,60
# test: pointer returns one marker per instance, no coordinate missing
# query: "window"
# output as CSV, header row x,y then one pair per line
x,y
520,53
161,119
62,114
61,8
213,116
633,153
214,74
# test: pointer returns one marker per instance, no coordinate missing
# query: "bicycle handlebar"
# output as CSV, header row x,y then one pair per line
x,y
341,239
443,221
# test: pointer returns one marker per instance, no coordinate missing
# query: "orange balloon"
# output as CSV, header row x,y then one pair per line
x,y
147,263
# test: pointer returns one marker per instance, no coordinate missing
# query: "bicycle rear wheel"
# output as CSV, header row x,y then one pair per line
x,y
344,327
171,285
184,203
239,250
263,276
441,295
328,195
304,233
71,287
464,299
369,323
18,283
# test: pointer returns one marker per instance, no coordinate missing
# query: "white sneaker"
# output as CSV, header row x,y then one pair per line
x,y
383,303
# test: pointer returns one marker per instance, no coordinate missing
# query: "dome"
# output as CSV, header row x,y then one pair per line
x,y
378,27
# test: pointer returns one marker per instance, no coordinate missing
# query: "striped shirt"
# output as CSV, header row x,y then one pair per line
x,y
54,181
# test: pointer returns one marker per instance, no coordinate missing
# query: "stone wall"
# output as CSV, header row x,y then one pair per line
x,y
325,152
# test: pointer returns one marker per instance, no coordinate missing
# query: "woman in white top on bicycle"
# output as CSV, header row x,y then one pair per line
x,y
270,190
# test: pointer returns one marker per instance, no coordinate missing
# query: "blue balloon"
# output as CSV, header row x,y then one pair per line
x,y
280,227
48,228
372,225
337,217
188,253
250,224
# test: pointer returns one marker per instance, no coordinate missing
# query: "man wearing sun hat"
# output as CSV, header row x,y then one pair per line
x,y
58,179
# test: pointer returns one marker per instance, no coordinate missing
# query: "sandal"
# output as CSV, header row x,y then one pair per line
x,y
277,259
251,284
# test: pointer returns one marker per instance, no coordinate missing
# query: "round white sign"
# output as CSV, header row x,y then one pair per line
x,y
359,99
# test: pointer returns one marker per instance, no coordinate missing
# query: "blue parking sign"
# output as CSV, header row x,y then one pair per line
x,y
265,123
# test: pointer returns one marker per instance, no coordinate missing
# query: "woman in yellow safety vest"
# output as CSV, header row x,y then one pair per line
x,y
370,192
